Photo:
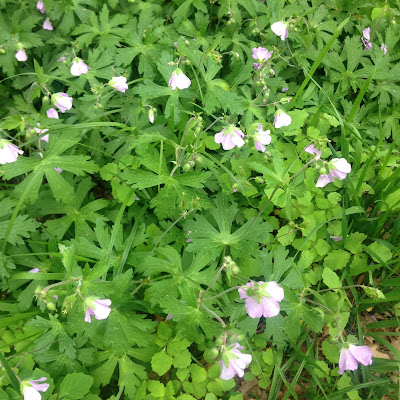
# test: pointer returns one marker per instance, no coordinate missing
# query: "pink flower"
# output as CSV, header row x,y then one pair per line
x,y
338,168
351,355
365,39
384,48
285,89
313,150
62,101
59,170
31,389
47,25
336,238
97,307
261,54
39,131
261,138
230,137
8,152
20,55
119,83
40,6
34,270
179,80
263,299
52,113
280,29
236,361
78,67
62,59
282,119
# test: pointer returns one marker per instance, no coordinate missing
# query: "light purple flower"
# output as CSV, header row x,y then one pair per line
x,y
78,67
352,355
261,138
34,270
31,389
271,72
8,152
97,307
237,362
384,48
62,59
261,54
40,6
280,29
365,39
59,170
47,25
52,113
285,89
336,238
230,137
282,119
62,101
338,168
118,83
20,55
263,299
179,80
169,316
313,150
39,131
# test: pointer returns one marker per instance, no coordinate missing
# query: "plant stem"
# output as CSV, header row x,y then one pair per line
x,y
10,373
214,315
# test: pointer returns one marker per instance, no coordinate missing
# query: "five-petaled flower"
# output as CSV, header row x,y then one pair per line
x,y
233,362
47,25
280,29
365,39
351,355
179,80
62,101
261,54
263,299
97,307
261,138
313,150
338,168
118,83
40,6
30,389
20,55
230,137
78,67
8,152
282,119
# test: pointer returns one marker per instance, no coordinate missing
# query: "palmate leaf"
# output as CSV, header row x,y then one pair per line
x,y
206,236
40,168
21,229
74,212
187,270
106,32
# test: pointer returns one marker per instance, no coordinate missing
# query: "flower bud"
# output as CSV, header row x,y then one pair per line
x,y
51,306
322,171
186,167
45,99
198,130
259,179
187,42
20,46
2,51
210,355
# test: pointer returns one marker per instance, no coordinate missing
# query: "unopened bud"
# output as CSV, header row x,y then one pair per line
x,y
20,46
51,306
45,99
171,63
322,171
2,51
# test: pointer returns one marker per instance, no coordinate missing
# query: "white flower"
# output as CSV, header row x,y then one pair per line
x,y
179,80
20,55
282,119
8,152
47,25
78,67
118,83
280,29
62,101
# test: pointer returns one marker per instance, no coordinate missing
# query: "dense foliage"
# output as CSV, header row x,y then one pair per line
x,y
200,199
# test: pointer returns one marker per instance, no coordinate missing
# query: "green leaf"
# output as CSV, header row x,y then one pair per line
x,y
75,386
161,362
331,279
336,259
